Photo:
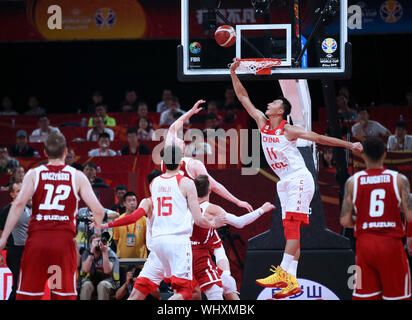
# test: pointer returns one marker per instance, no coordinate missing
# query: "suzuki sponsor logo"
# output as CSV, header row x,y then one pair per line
x,y
49,217
311,290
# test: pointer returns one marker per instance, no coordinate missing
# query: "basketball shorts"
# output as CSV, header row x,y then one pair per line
x,y
215,241
382,269
175,256
295,194
204,270
48,255
151,275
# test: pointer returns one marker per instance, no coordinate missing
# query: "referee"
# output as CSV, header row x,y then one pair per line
x,y
17,238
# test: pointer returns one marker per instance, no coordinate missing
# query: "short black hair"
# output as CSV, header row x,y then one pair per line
x,y
202,185
90,164
172,155
364,108
3,146
287,107
101,104
153,174
121,187
129,194
402,124
41,116
131,130
373,148
104,135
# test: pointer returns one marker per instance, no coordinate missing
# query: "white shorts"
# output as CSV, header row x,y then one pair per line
x,y
296,192
153,269
175,256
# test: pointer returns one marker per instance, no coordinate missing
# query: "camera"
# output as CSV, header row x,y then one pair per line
x,y
105,237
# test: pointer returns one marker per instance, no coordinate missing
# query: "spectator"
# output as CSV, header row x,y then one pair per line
x,y
7,164
40,134
327,158
131,239
98,128
400,141
230,101
144,129
212,109
21,148
100,263
71,158
119,207
97,98
166,117
126,289
133,147
143,112
7,108
17,239
345,113
34,107
101,110
130,102
16,176
90,170
211,122
104,147
368,128
162,105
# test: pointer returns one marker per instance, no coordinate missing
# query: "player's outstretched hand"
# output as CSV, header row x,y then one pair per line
x,y
244,204
267,207
218,222
357,147
196,109
234,65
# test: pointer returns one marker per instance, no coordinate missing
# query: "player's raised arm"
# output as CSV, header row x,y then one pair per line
x,y
199,168
295,132
89,197
178,124
18,205
346,218
243,97
406,196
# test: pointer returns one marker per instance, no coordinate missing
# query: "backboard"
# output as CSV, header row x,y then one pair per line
x,y
309,36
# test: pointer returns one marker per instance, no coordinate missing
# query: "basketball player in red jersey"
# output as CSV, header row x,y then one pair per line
x,y
296,186
50,250
378,196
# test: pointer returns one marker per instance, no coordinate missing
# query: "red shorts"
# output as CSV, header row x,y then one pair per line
x,y
204,270
48,255
384,269
292,223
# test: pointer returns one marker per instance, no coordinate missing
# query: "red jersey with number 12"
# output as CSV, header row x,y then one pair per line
x,y
376,200
55,199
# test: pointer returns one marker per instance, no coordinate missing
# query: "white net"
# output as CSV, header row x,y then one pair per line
x,y
256,65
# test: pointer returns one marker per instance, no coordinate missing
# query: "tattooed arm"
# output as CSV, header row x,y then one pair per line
x,y
406,196
346,218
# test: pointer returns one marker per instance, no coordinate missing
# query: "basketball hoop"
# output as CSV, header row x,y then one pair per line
x,y
258,65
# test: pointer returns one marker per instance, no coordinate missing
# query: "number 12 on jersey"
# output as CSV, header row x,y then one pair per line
x,y
164,206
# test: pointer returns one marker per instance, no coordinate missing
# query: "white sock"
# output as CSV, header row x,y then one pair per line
x,y
293,268
287,259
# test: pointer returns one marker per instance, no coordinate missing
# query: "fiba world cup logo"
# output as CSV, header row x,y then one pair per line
x,y
195,47
391,11
105,18
329,45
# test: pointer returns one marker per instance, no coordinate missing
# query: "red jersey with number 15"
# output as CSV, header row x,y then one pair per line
x,y
55,199
376,200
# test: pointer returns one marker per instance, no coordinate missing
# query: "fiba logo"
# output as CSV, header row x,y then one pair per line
x,y
391,11
278,132
195,47
105,18
329,45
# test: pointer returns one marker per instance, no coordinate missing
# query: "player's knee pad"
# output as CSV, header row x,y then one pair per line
x,y
228,282
291,229
214,293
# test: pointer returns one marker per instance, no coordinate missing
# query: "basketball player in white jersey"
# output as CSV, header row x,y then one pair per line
x,y
296,186
175,207
194,167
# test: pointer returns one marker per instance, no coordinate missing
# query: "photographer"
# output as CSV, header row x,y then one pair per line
x,y
100,263
124,291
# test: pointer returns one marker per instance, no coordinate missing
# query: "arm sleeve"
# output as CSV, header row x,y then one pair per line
x,y
128,219
241,221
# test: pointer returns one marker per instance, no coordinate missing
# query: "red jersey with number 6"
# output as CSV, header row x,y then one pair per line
x,y
376,200
55,199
